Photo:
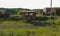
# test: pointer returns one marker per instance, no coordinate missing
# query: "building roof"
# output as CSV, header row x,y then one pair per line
x,y
52,7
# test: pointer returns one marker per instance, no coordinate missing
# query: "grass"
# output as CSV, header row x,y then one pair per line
x,y
41,19
14,23
29,32
45,31
53,30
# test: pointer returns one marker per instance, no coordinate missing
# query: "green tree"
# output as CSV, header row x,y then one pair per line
x,y
10,11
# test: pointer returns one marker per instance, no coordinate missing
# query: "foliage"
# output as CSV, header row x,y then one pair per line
x,y
51,24
42,31
38,11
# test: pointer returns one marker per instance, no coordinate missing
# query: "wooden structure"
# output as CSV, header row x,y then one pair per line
x,y
29,15
55,11
4,15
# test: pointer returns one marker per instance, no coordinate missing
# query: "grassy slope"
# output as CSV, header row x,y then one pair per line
x,y
43,31
46,31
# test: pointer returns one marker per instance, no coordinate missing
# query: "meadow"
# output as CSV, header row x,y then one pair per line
x,y
47,26
43,26
42,31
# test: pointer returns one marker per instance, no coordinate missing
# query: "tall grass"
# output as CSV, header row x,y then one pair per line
x,y
43,31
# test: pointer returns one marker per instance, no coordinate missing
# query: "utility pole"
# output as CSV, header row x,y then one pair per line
x,y
51,7
51,3
51,11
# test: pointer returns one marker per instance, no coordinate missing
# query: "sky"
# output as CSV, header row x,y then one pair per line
x,y
30,4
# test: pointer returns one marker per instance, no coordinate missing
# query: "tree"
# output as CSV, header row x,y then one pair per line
x,y
10,11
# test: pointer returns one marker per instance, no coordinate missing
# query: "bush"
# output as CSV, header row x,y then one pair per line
x,y
57,22
2,33
42,18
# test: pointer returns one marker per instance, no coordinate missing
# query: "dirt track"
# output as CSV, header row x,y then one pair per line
x,y
17,26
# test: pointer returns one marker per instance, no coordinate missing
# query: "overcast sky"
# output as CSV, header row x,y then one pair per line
x,y
31,4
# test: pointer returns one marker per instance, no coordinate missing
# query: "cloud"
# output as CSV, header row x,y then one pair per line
x,y
27,3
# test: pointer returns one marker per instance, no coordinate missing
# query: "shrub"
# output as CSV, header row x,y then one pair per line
x,y
57,21
1,33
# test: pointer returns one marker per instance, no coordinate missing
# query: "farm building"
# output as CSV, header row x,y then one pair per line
x,y
29,15
52,11
4,15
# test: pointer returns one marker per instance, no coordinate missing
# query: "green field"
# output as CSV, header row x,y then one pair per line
x,y
52,30
14,25
42,31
